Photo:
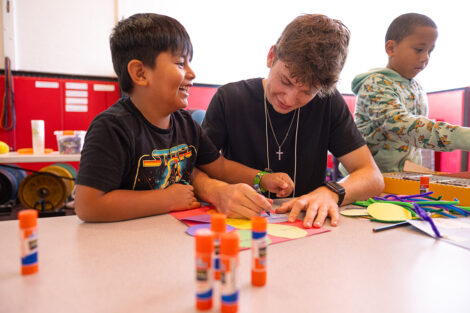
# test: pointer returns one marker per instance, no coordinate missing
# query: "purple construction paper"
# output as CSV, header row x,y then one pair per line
x,y
202,218
192,229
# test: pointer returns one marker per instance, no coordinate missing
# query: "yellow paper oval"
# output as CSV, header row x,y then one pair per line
x,y
388,212
286,231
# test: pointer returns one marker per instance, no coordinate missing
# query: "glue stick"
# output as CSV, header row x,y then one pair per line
x,y
29,241
259,246
218,227
204,281
423,184
229,245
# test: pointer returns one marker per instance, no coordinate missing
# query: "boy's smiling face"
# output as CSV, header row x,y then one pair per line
x,y
411,55
170,80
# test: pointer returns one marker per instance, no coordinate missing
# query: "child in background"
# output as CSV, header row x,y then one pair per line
x,y
139,155
391,107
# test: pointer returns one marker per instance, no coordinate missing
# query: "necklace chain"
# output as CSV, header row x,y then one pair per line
x,y
266,116
279,153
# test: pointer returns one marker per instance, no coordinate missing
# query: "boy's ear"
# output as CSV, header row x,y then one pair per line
x,y
390,47
137,72
270,59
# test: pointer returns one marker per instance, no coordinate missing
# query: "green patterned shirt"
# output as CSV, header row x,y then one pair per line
x,y
391,114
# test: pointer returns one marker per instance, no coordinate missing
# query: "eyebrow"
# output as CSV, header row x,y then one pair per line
x,y
308,90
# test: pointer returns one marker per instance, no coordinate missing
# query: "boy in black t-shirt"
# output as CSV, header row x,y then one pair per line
x,y
140,155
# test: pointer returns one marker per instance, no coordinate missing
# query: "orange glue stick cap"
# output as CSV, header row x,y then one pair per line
x,y
259,224
229,243
28,218
218,224
204,241
28,223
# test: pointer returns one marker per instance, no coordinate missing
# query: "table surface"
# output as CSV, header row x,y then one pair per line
x,y
55,156
147,265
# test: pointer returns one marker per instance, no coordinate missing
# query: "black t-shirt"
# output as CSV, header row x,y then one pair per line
x,y
123,150
235,121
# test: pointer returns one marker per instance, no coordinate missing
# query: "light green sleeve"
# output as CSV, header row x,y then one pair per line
x,y
386,108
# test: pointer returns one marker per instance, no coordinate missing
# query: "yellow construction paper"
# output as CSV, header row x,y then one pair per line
x,y
286,231
354,212
388,212
239,223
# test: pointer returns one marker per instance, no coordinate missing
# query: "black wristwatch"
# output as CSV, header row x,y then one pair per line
x,y
338,189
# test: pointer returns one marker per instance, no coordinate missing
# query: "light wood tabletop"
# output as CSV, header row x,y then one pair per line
x,y
147,265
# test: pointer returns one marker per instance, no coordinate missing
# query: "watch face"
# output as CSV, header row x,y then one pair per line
x,y
335,187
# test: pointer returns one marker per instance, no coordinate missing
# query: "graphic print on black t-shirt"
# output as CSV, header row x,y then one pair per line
x,y
164,168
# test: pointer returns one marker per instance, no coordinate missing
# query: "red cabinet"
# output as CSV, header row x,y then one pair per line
x,y
64,104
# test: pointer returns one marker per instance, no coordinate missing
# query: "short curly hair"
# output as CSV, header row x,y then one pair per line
x,y
314,48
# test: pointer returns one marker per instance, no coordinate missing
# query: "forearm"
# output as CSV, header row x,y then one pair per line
x,y
230,172
205,188
362,184
118,205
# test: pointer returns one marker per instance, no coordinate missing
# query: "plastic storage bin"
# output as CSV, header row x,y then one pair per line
x,y
70,141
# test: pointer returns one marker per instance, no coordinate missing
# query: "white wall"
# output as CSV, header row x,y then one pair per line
x,y
231,38
2,55
62,36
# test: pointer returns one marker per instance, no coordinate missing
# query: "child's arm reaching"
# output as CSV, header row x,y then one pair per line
x,y
381,104
93,205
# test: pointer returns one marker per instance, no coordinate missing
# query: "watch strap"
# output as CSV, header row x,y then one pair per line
x,y
338,189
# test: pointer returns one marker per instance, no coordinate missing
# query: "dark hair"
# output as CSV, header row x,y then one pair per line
x,y
314,48
144,37
405,24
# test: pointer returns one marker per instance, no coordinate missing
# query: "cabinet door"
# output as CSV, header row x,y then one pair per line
x,y
83,100
37,99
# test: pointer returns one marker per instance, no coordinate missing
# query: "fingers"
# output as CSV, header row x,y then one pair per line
x,y
334,216
279,183
316,212
258,202
322,213
298,206
243,212
241,200
195,205
289,186
310,215
286,206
